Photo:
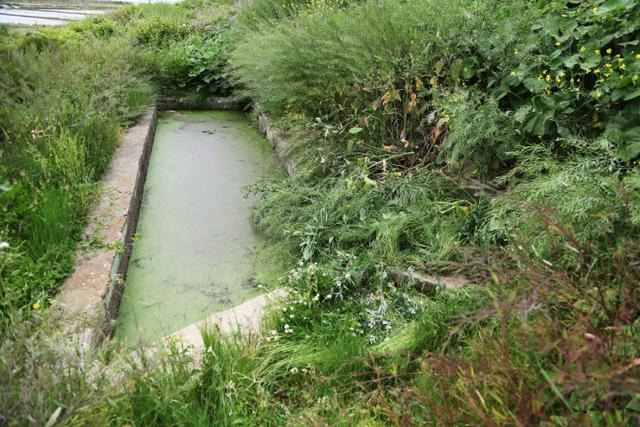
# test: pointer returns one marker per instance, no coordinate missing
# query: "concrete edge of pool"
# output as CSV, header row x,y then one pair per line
x,y
90,297
245,318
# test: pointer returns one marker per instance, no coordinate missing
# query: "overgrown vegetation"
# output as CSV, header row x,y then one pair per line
x,y
494,139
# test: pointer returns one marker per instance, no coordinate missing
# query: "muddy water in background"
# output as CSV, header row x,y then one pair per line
x,y
195,252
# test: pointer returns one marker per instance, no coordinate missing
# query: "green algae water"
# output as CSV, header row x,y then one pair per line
x,y
195,252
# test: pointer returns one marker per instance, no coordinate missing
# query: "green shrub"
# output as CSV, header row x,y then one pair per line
x,y
289,67
99,26
599,209
522,113
197,63
161,30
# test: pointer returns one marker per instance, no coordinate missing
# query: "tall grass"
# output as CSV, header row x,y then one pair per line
x,y
64,102
386,217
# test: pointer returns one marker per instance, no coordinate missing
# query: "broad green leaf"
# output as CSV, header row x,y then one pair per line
x,y
570,61
468,68
544,110
631,147
533,84
616,5
632,95
522,113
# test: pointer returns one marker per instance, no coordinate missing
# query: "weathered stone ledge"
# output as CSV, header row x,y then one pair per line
x,y
90,297
424,283
277,140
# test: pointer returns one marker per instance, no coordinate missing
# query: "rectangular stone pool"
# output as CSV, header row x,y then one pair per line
x,y
195,252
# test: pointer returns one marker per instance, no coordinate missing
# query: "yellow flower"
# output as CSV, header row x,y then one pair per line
x,y
588,72
597,51
622,66
548,78
36,306
601,80
620,59
637,55
558,43
582,49
609,51
635,78
513,73
608,65
561,74
595,10
598,94
596,71
572,81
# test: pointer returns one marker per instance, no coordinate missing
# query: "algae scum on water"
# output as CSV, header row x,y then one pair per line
x,y
195,252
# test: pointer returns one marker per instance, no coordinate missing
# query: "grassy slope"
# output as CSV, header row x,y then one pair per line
x,y
492,138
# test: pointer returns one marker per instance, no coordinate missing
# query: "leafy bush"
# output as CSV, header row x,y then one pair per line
x,y
181,50
99,26
196,63
161,30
